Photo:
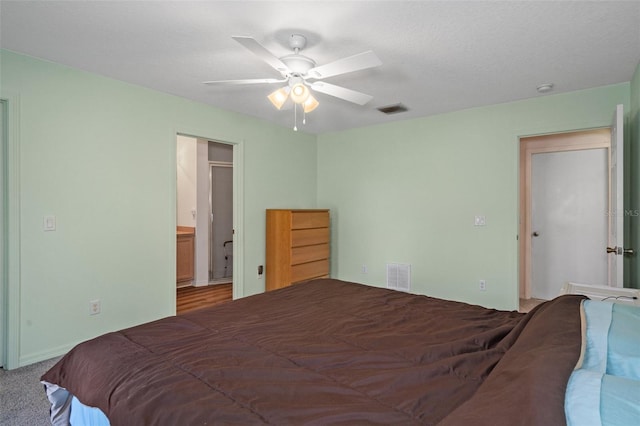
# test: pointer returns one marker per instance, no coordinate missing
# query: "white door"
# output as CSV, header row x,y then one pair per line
x,y
569,193
616,207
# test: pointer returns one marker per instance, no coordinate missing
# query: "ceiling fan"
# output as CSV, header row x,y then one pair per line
x,y
301,74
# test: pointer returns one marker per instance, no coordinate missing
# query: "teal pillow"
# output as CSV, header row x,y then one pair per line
x,y
605,387
619,401
623,352
582,398
597,316
594,398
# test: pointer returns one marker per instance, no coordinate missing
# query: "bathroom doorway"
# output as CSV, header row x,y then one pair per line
x,y
207,213
220,213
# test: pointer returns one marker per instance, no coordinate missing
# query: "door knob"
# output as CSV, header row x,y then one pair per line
x,y
535,234
613,250
629,252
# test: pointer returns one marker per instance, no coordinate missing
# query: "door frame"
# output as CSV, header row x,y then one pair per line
x,y
10,272
529,145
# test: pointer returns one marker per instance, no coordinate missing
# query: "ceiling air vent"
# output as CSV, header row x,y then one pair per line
x,y
393,109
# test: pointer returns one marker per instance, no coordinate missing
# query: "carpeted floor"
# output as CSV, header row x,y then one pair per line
x,y
22,397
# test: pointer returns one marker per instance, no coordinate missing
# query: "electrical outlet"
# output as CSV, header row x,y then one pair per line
x,y
260,271
483,285
480,221
94,307
365,269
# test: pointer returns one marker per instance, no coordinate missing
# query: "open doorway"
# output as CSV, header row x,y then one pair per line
x,y
220,213
564,200
205,217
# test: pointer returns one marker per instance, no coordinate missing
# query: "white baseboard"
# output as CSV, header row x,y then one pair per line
x,y
44,355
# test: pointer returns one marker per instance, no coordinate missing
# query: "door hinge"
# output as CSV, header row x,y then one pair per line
x,y
620,251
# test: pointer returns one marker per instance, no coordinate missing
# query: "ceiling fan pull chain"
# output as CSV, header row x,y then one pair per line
x,y
295,118
304,117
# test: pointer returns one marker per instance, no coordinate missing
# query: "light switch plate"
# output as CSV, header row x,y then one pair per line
x,y
480,221
49,223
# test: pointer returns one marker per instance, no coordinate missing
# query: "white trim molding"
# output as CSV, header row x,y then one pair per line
x,y
12,299
238,220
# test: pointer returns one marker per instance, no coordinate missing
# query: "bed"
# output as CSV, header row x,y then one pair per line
x,y
334,352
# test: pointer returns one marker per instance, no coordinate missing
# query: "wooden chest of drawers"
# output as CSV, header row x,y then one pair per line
x,y
297,246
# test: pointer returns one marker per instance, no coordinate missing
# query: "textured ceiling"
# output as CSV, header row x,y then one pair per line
x,y
437,56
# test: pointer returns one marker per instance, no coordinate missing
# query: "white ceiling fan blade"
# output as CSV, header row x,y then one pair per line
x,y
260,51
246,81
341,92
357,62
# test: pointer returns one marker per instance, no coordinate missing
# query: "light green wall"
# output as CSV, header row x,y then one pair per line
x,y
408,191
634,160
100,155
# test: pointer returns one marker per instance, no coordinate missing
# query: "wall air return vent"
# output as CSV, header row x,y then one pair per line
x,y
393,109
399,276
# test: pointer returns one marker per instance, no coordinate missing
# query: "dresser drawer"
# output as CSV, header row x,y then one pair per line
x,y
309,237
297,246
307,271
306,254
306,220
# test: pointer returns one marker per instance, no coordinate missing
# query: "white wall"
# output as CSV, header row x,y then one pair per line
x,y
408,192
186,180
101,155
202,213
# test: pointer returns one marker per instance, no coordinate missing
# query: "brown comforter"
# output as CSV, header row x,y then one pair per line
x,y
331,352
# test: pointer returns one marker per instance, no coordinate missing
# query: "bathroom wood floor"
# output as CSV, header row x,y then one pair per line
x,y
191,298
528,304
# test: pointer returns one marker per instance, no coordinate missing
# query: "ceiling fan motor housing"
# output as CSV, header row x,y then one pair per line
x,y
297,41
298,64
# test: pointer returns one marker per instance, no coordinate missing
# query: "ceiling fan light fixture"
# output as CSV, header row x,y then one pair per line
x,y
297,70
279,97
299,93
310,104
